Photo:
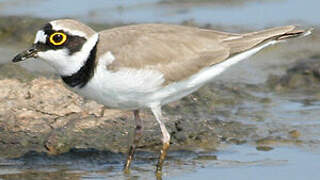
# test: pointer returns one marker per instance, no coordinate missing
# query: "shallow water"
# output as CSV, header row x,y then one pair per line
x,y
253,13
241,162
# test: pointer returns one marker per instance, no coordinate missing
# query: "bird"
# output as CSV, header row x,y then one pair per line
x,y
144,66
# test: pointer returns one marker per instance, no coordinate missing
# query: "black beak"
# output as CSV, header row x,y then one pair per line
x,y
29,53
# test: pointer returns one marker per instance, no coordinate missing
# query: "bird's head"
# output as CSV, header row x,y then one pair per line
x,y
65,44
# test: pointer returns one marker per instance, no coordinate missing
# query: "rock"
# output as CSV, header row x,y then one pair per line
x,y
30,111
273,141
51,97
295,134
207,157
264,148
304,75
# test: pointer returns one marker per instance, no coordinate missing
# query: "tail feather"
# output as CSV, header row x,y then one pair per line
x,y
250,40
294,34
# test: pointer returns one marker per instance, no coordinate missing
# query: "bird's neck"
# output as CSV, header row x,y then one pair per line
x,y
83,75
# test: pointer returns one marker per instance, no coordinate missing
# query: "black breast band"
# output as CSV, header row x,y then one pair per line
x,y
85,73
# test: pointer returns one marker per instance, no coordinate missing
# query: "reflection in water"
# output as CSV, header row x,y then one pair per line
x,y
93,164
235,162
43,175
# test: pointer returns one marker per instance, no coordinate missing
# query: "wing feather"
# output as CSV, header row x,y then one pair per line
x,y
176,51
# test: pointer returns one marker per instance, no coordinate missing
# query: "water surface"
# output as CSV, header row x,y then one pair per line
x,y
253,13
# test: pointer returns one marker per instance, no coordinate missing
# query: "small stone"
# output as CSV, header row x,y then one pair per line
x,y
207,157
267,141
264,148
295,134
236,141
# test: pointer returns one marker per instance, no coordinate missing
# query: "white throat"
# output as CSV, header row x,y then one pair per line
x,y
66,64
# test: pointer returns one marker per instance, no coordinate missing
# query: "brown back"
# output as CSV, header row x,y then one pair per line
x,y
176,51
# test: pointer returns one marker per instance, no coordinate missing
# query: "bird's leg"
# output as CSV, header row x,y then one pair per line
x,y
166,137
102,111
136,138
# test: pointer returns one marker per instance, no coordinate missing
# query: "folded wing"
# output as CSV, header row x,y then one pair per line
x,y
178,51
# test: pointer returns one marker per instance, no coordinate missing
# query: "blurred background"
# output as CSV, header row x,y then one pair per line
x,y
256,14
258,120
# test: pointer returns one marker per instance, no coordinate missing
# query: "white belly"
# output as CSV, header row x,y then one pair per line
x,y
134,89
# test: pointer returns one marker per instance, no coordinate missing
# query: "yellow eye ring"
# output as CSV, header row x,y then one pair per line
x,y
58,38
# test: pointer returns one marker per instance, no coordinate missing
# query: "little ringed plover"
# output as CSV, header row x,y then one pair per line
x,y
144,66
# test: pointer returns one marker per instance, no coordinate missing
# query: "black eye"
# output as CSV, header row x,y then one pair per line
x,y
58,38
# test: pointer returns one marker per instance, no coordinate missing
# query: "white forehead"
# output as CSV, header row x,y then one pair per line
x,y
40,37
57,27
